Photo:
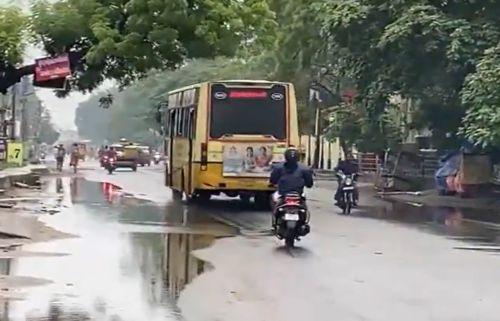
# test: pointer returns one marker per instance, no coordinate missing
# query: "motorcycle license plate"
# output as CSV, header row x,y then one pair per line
x,y
291,217
348,188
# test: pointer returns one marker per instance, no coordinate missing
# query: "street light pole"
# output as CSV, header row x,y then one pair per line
x,y
317,134
13,113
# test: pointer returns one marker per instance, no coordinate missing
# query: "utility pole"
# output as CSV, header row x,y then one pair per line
x,y
314,98
13,113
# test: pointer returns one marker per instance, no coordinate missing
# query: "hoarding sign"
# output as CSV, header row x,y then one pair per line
x,y
52,68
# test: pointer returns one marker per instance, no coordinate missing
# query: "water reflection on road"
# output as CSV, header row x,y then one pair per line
x,y
479,229
130,261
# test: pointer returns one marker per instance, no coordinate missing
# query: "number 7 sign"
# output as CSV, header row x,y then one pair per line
x,y
15,153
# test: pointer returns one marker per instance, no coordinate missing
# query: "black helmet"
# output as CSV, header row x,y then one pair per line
x,y
292,156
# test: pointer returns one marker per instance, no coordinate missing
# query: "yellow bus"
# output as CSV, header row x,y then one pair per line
x,y
224,137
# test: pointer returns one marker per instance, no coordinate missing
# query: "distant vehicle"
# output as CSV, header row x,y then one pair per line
x,y
127,156
144,156
157,158
224,137
82,149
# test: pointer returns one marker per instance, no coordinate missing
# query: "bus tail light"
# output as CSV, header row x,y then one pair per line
x,y
204,156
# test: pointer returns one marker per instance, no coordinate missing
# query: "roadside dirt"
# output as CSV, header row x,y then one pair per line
x,y
20,225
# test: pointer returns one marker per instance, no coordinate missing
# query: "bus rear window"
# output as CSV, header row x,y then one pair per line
x,y
248,111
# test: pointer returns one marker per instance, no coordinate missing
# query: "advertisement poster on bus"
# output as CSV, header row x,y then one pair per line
x,y
248,160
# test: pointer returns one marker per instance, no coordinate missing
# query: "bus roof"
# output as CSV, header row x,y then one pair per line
x,y
229,81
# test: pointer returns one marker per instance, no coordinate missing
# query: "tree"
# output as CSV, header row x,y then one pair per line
x,y
47,134
12,44
12,32
482,120
125,39
132,113
420,50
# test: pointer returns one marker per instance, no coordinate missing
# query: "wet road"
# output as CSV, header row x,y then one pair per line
x,y
129,262
478,229
132,260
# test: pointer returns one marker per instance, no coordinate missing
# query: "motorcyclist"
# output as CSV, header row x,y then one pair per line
x,y
290,176
347,167
111,153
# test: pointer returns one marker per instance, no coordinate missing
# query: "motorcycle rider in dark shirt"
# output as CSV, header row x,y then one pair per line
x,y
290,177
348,167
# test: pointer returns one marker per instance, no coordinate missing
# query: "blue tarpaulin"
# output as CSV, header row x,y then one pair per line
x,y
450,164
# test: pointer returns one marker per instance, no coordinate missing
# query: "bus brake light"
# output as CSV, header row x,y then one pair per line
x,y
247,94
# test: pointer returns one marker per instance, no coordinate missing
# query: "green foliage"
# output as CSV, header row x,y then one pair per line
x,y
48,134
420,50
125,39
482,95
12,35
351,124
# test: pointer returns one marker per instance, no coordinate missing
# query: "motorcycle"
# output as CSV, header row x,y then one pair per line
x,y
103,160
110,164
157,158
347,199
291,219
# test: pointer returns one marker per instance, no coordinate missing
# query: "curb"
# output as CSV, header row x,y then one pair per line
x,y
23,175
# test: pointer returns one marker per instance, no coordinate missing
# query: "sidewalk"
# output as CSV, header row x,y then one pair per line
x,y
432,199
19,171
9,175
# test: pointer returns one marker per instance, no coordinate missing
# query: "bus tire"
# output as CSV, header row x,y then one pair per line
x,y
262,200
245,198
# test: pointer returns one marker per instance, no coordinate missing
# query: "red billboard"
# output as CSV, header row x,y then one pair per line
x,y
52,68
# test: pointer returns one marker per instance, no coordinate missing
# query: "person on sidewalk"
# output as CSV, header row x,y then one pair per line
x,y
75,155
60,154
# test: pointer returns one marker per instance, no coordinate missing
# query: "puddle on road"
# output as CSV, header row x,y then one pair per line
x,y
480,230
130,261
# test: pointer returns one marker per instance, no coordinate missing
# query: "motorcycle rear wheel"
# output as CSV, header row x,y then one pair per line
x,y
290,242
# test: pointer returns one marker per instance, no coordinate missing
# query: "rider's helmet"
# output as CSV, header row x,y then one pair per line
x,y
292,156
